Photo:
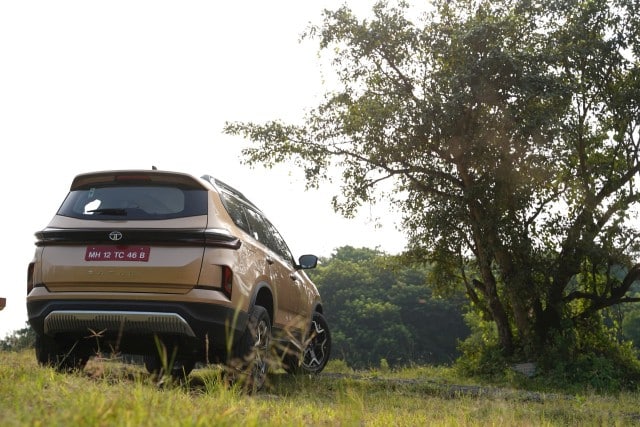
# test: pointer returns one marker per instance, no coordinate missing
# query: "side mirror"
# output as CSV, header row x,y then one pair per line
x,y
307,261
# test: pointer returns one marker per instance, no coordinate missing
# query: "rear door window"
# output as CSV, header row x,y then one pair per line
x,y
279,245
254,223
259,228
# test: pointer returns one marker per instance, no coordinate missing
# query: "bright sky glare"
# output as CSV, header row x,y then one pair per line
x,y
87,85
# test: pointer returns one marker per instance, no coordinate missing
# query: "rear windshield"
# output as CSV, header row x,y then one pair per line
x,y
134,202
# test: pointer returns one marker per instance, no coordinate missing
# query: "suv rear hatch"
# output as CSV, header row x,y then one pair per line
x,y
128,231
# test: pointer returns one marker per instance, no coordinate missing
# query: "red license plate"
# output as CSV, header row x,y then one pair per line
x,y
117,253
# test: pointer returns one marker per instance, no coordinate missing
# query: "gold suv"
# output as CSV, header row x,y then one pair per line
x,y
177,269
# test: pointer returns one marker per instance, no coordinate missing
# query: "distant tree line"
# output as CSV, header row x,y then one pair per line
x,y
19,340
378,309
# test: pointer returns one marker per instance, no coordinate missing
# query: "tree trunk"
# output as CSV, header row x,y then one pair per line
x,y
497,310
517,282
482,240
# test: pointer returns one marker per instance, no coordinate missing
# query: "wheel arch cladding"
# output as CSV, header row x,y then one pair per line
x,y
264,298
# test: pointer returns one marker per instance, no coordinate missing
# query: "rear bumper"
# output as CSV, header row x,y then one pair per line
x,y
120,318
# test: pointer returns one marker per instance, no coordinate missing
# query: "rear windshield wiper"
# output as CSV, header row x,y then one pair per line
x,y
109,211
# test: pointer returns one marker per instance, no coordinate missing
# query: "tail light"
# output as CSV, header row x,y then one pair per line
x,y
209,279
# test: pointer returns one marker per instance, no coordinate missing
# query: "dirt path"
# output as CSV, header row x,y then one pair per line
x,y
452,391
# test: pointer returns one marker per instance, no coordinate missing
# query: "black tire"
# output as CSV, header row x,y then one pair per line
x,y
63,355
252,352
179,370
182,368
152,364
317,349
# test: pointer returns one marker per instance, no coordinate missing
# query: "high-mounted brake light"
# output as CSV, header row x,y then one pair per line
x,y
133,177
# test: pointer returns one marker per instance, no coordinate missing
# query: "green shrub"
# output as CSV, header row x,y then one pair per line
x,y
481,356
589,357
19,340
585,356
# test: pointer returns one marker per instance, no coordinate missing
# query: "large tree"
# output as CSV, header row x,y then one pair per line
x,y
508,134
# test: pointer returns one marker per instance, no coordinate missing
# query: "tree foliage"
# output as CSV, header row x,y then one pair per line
x,y
508,133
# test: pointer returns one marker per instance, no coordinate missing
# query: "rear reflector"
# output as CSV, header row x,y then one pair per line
x,y
227,281
30,277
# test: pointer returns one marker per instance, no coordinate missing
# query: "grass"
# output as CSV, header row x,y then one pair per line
x,y
109,393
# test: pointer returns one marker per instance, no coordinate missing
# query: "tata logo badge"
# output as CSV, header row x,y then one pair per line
x,y
115,236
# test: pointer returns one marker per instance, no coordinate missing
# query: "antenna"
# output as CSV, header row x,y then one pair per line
x,y
153,168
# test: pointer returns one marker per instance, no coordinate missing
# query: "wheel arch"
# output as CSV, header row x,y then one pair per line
x,y
318,308
263,296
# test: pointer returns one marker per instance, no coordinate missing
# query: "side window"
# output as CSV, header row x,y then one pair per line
x,y
236,211
266,233
280,245
254,223
259,229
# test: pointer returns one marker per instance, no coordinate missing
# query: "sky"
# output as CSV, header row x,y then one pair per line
x,y
97,85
